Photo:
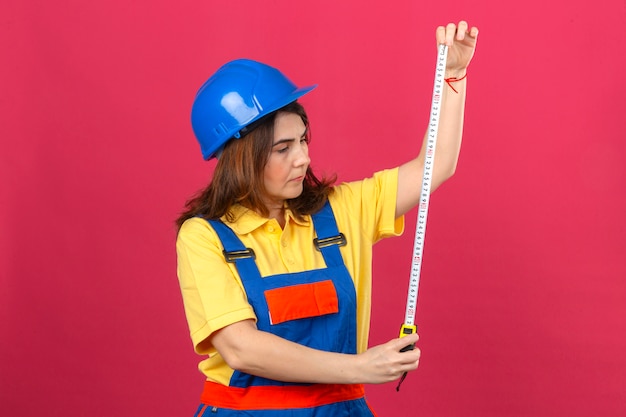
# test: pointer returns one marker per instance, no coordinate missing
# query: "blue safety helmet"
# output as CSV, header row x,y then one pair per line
x,y
238,94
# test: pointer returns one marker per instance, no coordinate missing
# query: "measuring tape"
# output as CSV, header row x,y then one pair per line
x,y
409,326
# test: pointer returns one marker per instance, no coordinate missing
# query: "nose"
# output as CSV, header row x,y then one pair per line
x,y
301,156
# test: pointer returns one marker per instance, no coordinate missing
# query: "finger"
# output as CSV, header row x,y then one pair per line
x,y
450,32
461,30
407,340
474,32
410,356
440,34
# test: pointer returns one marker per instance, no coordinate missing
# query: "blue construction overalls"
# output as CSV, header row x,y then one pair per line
x,y
314,308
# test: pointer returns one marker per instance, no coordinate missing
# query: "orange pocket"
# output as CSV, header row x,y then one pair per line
x,y
302,301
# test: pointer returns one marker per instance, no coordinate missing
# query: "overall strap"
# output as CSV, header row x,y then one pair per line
x,y
235,252
329,239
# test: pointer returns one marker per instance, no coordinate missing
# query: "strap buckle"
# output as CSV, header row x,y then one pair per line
x,y
234,255
339,240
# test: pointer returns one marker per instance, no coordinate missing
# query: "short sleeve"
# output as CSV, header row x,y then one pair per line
x,y
373,202
212,293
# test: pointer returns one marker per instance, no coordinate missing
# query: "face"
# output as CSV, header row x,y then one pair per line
x,y
288,161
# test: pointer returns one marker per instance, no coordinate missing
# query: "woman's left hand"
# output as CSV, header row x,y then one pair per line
x,y
461,42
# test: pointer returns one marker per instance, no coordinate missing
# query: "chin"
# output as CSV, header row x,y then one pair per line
x,y
293,196
297,192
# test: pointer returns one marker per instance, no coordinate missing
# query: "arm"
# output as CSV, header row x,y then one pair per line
x,y
461,46
249,350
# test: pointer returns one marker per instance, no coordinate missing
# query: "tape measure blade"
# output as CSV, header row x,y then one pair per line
x,y
422,209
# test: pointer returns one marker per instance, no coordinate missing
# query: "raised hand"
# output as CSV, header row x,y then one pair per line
x,y
461,42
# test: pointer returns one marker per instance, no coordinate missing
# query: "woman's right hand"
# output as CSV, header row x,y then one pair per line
x,y
386,362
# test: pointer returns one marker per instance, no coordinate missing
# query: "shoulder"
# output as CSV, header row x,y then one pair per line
x,y
369,205
194,225
196,231
379,184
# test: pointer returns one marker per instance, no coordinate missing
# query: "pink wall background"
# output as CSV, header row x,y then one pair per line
x,y
522,306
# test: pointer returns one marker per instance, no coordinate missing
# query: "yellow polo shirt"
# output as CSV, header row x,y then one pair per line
x,y
212,291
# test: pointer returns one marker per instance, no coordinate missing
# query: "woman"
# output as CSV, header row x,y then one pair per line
x,y
275,263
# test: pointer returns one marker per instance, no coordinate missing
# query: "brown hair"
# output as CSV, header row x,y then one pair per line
x,y
238,176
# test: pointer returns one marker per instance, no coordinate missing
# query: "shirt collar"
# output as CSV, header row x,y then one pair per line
x,y
246,220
